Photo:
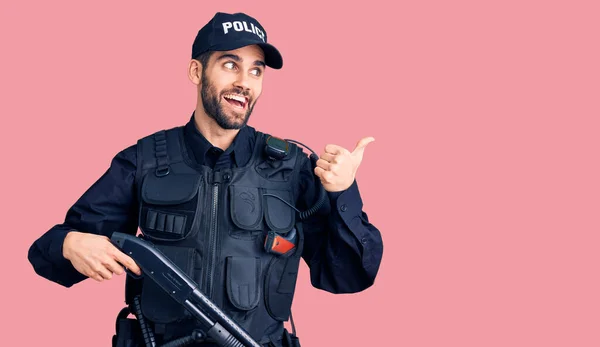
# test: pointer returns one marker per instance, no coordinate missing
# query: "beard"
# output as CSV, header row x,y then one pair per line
x,y
214,108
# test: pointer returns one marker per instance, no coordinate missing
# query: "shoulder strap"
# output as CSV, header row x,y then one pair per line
x,y
159,151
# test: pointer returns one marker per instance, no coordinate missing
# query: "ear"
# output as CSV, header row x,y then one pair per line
x,y
195,71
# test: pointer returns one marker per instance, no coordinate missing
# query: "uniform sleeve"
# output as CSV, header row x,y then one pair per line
x,y
342,248
108,205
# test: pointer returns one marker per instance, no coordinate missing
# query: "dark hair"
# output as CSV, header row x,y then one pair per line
x,y
204,57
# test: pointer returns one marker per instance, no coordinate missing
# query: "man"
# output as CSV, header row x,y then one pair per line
x,y
213,195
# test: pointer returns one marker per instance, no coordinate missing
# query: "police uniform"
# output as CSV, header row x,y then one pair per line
x,y
213,213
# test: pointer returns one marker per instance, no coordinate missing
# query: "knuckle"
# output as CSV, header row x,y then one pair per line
x,y
111,250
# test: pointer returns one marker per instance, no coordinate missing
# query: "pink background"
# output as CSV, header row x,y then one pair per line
x,y
483,179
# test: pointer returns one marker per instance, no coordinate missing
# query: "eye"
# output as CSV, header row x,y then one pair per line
x,y
229,65
256,72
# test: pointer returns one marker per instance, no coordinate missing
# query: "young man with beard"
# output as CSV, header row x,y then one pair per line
x,y
213,195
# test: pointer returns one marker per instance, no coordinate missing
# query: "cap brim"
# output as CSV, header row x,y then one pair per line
x,y
273,58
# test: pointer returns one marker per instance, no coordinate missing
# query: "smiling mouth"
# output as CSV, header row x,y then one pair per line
x,y
237,101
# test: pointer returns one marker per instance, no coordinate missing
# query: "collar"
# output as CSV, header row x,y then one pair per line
x,y
240,150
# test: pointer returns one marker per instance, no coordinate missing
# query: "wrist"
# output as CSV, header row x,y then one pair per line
x,y
66,246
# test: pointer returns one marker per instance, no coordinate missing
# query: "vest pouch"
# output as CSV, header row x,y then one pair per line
x,y
168,205
279,216
157,305
242,282
246,210
280,284
282,272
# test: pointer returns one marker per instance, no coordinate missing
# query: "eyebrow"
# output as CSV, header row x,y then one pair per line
x,y
238,59
230,56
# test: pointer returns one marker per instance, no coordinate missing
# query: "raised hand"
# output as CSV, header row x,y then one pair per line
x,y
337,166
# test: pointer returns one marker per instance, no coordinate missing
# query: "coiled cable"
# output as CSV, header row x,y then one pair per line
x,y
146,332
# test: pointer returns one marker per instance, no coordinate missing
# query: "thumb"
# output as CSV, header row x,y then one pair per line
x,y
362,144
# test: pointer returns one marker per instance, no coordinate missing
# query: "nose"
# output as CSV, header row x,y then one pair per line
x,y
242,82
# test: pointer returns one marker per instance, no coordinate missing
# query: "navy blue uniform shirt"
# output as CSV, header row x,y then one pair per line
x,y
342,248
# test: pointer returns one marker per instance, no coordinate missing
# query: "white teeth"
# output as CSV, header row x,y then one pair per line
x,y
236,97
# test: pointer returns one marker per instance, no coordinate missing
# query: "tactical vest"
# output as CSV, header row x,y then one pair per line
x,y
213,225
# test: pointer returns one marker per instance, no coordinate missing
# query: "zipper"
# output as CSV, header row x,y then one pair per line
x,y
212,235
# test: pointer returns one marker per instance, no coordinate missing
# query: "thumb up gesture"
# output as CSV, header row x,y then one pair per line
x,y
337,166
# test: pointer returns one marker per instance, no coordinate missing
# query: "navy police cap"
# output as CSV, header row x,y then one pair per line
x,y
225,32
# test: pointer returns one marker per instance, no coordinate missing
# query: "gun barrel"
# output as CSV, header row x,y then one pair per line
x,y
225,321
